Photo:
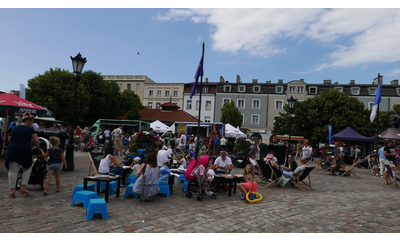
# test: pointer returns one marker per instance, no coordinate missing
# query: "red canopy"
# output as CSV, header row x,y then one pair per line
x,y
17,105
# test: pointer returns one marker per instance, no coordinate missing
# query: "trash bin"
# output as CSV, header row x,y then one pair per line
x,y
279,150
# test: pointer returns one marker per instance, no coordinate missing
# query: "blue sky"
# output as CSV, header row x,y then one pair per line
x,y
256,43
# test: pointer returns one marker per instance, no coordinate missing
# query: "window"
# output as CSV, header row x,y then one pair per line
x,y
256,104
128,86
150,105
137,87
255,119
312,90
240,103
242,88
158,105
150,92
355,90
208,105
339,89
256,89
292,89
372,91
158,93
227,88
370,105
300,89
279,89
197,104
120,86
242,118
207,119
189,105
278,104
225,100
175,93
167,93
205,89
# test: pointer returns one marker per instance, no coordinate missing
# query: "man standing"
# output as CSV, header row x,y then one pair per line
x,y
117,137
182,142
307,152
222,143
14,123
390,153
216,143
382,160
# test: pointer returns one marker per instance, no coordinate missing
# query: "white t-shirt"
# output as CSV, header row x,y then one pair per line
x,y
184,164
299,170
225,163
306,152
357,152
222,141
212,174
105,163
117,133
161,156
107,133
182,140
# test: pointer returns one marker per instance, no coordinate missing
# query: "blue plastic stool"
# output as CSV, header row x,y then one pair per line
x,y
90,187
184,186
128,191
84,196
165,189
97,205
252,196
111,190
182,178
130,179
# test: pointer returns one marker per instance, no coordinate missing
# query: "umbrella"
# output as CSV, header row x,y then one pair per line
x,y
159,127
12,103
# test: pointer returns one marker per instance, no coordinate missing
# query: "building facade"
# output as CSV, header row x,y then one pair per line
x,y
156,94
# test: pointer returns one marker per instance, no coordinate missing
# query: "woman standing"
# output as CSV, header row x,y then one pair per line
x,y
151,176
19,153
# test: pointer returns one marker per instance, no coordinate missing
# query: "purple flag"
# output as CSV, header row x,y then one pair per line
x,y
199,73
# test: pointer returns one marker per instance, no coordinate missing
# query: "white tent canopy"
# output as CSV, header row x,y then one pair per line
x,y
159,127
232,132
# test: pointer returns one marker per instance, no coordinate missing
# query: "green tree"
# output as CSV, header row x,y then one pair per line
x,y
231,114
312,116
131,105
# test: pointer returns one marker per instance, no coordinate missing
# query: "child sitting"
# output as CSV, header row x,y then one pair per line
x,y
164,173
210,176
249,184
135,165
182,162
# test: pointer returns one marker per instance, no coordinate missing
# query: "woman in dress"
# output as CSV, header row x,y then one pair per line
x,y
151,176
19,153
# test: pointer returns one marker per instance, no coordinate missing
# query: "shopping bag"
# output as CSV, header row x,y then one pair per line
x,y
282,181
138,186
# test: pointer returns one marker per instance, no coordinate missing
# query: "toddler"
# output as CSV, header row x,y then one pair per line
x,y
164,173
135,165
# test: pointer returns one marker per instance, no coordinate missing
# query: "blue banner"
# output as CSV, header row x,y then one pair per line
x,y
330,134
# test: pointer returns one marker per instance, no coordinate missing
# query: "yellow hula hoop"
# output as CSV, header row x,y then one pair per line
x,y
255,200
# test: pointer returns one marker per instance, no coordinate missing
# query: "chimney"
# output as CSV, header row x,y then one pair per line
x,y
327,81
221,79
394,82
336,83
280,80
255,80
352,82
302,80
237,79
206,80
376,80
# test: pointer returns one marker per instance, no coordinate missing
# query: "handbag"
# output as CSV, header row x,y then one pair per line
x,y
139,184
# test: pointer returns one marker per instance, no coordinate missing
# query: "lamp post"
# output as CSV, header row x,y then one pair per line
x,y
291,101
77,63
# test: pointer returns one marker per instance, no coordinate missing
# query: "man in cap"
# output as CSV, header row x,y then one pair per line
x,y
161,155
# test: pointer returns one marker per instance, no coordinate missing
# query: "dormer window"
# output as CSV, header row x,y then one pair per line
x,y
241,88
227,88
312,90
279,89
355,90
256,89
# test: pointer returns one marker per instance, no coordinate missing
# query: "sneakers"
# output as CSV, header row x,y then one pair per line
x,y
377,175
210,193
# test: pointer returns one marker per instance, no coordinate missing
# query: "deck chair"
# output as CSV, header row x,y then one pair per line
x,y
266,174
352,168
321,167
370,169
298,180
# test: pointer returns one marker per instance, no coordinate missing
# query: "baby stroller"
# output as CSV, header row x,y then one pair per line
x,y
197,179
39,166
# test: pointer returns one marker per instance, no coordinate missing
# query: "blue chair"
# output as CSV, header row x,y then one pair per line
x,y
165,189
184,186
131,179
97,205
84,197
181,178
112,188
90,187
128,191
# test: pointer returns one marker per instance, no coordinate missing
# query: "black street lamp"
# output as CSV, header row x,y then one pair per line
x,y
77,63
291,101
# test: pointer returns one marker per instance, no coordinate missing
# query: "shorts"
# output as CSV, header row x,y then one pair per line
x,y
54,167
118,143
373,164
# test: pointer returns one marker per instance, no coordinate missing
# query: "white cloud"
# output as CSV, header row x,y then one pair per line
x,y
359,36
393,73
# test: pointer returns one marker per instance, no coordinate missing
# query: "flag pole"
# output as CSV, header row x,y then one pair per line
x,y
377,117
199,115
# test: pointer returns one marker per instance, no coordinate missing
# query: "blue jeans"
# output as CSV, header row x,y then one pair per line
x,y
117,170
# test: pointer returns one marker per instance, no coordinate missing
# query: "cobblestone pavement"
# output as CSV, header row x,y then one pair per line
x,y
339,204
